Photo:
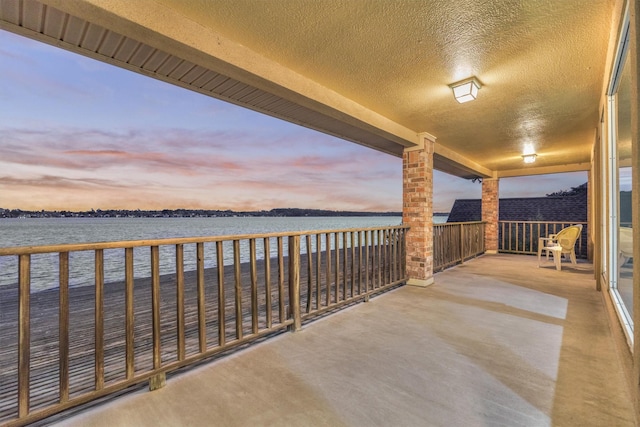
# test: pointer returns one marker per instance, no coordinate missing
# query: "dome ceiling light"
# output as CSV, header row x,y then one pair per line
x,y
466,90
529,154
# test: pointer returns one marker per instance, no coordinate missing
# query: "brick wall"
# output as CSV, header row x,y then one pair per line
x,y
490,203
417,211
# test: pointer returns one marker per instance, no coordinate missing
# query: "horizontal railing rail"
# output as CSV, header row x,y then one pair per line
x,y
135,310
522,237
455,242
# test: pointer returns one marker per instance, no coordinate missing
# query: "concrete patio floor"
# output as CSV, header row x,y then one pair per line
x,y
496,341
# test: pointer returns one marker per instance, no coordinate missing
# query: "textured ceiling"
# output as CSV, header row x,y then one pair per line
x,y
375,72
541,63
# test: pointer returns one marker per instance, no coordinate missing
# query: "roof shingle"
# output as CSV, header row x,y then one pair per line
x,y
567,208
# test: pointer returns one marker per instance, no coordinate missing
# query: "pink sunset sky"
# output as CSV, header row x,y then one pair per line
x,y
77,134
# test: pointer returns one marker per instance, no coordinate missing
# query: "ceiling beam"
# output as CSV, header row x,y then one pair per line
x,y
543,170
456,164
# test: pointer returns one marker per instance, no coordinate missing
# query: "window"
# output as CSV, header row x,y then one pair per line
x,y
617,177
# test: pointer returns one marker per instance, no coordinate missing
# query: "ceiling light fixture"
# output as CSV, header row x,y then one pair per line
x,y
466,90
529,153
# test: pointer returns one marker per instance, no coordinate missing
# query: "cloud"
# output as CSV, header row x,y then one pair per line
x,y
153,162
187,168
84,134
59,182
180,149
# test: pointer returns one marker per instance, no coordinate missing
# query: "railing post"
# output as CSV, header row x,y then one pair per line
x,y
294,282
461,243
237,274
309,273
366,267
99,319
158,380
221,295
129,313
404,253
180,314
202,316
24,335
63,326
482,231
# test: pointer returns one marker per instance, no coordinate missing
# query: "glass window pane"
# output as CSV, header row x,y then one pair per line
x,y
625,208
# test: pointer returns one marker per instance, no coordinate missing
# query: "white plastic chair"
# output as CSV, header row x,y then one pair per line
x,y
562,243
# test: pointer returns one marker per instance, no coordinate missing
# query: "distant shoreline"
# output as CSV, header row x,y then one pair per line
x,y
191,213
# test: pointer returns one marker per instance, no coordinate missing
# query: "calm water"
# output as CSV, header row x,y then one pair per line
x,y
48,231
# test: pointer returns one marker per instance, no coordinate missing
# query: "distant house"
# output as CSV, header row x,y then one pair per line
x,y
566,206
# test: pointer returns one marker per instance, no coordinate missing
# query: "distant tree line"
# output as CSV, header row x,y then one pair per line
x,y
183,213
580,189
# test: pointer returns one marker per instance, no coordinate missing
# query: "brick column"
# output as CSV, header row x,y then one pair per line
x,y
417,210
490,202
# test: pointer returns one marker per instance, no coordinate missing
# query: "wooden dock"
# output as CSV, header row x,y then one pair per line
x,y
270,297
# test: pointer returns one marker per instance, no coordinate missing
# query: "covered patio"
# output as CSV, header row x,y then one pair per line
x,y
495,341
